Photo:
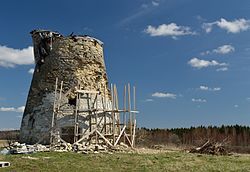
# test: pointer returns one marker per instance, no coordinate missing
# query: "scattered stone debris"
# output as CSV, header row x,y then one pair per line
x,y
18,148
211,148
4,164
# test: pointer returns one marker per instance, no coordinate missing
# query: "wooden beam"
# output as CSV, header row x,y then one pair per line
x,y
126,136
87,91
85,136
117,115
133,138
117,140
129,111
53,113
106,140
76,116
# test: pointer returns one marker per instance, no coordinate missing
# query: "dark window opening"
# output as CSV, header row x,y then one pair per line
x,y
67,134
72,101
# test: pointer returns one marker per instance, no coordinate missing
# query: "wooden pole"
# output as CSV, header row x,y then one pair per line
x,y
89,113
124,108
60,95
134,118
106,140
113,114
76,116
117,116
129,110
133,138
123,129
105,116
53,113
96,120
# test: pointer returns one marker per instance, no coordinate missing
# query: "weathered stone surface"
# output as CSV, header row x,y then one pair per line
x,y
73,60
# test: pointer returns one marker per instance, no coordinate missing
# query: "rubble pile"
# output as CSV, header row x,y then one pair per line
x,y
211,148
22,148
18,148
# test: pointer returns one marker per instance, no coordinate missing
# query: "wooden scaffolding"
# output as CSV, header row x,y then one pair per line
x,y
107,124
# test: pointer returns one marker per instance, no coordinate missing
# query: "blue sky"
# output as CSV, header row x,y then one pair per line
x,y
189,59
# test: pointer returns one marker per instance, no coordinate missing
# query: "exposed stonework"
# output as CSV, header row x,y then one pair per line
x,y
73,60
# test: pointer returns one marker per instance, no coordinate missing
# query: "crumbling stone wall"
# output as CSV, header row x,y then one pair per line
x,y
73,60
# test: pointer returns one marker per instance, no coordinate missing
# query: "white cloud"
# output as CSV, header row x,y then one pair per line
x,y
234,26
224,49
9,57
198,63
208,27
223,69
31,71
199,100
12,109
236,106
155,3
171,29
164,95
206,88
203,87
216,89
205,53
149,100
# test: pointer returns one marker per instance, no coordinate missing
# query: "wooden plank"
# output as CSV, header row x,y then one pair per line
x,y
117,117
133,138
104,108
53,113
76,116
85,136
134,117
126,136
113,114
87,91
129,111
117,140
134,98
106,140
60,95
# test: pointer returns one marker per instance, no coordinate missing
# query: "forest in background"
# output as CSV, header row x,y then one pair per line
x,y
235,137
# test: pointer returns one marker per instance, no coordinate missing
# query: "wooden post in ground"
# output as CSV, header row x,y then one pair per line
x,y
117,115
112,113
89,113
124,108
105,115
53,114
76,132
130,114
134,118
133,138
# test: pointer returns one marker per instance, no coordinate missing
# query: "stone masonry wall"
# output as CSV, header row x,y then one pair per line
x,y
73,60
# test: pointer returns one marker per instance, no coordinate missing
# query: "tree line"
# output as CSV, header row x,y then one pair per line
x,y
234,136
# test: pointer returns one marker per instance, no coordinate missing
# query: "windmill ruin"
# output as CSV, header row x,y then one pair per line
x,y
70,100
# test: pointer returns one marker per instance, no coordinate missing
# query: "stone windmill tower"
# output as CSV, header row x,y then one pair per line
x,y
77,63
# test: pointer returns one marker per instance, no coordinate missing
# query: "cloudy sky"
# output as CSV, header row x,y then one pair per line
x,y
189,59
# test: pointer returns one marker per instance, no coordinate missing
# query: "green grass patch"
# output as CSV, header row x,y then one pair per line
x,y
169,161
